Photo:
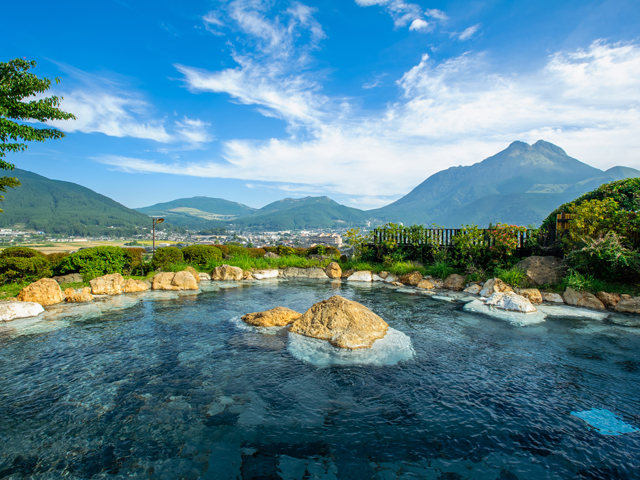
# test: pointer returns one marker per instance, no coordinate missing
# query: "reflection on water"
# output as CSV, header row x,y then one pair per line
x,y
178,389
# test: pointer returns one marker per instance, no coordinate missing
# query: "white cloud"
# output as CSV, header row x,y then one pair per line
x,y
193,131
419,24
469,32
437,14
368,3
456,112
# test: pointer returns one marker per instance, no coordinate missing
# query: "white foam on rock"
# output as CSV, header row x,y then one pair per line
x,y
516,318
242,325
572,312
390,350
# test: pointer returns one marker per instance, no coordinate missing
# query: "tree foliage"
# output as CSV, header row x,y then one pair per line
x,y
16,85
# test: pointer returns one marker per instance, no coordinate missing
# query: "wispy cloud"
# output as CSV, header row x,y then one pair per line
x,y
469,32
404,14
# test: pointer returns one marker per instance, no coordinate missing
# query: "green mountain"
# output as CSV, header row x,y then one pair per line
x,y
519,185
60,207
198,212
302,213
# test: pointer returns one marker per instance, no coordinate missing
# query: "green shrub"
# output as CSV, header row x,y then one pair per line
x,y
256,252
21,252
512,276
441,269
586,283
165,257
323,250
201,254
285,251
606,258
223,248
20,269
236,250
95,262
56,258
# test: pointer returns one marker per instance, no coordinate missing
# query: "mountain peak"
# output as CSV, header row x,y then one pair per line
x,y
541,145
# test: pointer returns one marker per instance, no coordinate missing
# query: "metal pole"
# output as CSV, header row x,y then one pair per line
x,y
153,251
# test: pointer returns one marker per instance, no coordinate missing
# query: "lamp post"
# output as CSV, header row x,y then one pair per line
x,y
155,220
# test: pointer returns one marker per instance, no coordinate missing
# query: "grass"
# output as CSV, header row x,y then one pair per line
x,y
441,269
249,263
512,276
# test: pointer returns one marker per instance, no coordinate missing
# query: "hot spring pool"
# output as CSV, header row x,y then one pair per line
x,y
169,386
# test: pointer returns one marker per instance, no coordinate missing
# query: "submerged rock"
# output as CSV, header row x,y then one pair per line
x,y
412,278
344,323
111,284
542,270
517,318
361,276
333,270
532,294
495,285
454,282
45,291
510,301
264,274
564,311
174,281
227,273
13,310
276,317
582,299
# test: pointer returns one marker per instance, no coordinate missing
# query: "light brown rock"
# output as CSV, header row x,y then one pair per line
x,y
473,289
582,299
532,294
68,291
454,282
134,286
495,285
397,284
542,270
247,275
86,290
82,297
552,297
45,291
174,281
347,273
609,300
628,304
345,324
111,284
383,274
333,270
276,317
227,273
425,284
193,272
412,278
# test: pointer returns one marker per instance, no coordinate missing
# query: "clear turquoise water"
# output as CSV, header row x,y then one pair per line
x,y
175,389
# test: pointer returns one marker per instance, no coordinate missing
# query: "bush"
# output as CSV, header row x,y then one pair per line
x,y
223,248
21,252
201,254
323,250
256,252
285,251
56,258
606,258
586,283
513,276
165,257
441,270
236,250
19,269
95,262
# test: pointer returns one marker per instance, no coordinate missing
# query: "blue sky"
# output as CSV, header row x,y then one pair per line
x,y
360,100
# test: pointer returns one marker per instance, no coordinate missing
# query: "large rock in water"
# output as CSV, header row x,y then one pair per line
x,y
454,282
83,296
264,274
361,276
495,285
510,301
276,317
582,299
111,284
193,272
227,273
14,310
135,286
45,291
412,278
333,270
542,270
609,300
628,304
174,281
345,324
532,294
295,272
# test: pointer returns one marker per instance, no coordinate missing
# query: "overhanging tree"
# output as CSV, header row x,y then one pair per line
x,y
16,85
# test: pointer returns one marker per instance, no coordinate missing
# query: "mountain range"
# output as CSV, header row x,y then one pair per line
x,y
519,185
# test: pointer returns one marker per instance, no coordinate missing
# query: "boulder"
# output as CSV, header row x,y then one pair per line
x,y
473,289
111,284
276,317
204,276
45,291
79,297
68,291
628,304
582,299
193,272
134,286
495,285
412,278
13,310
542,270
436,282
510,301
361,276
295,272
247,275
390,278
263,274
344,323
271,255
609,300
333,270
70,278
531,294
174,281
377,278
347,273
425,284
227,273
454,282
552,297
383,274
